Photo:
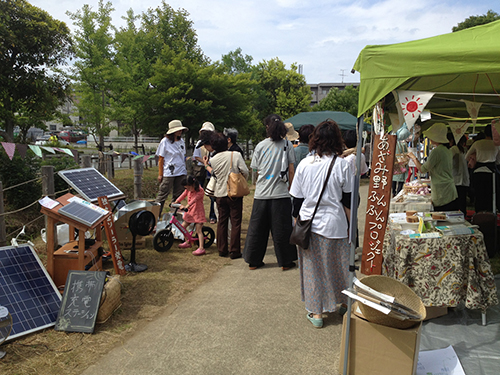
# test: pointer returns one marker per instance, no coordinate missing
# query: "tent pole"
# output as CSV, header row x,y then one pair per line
x,y
353,227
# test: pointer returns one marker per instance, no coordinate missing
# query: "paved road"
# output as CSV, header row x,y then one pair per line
x,y
239,322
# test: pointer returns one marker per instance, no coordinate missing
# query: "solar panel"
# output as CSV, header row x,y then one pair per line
x,y
90,184
83,212
27,291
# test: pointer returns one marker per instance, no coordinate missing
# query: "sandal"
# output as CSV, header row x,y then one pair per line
x,y
317,323
213,221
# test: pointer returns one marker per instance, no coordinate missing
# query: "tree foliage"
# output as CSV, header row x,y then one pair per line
x,y
235,63
94,70
340,100
282,91
33,46
472,21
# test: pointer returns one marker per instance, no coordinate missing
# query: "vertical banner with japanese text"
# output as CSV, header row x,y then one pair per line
x,y
114,245
377,207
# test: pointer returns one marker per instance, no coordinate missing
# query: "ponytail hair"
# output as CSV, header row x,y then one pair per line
x,y
191,181
276,129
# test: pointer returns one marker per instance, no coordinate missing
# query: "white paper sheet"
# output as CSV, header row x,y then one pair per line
x,y
439,362
48,202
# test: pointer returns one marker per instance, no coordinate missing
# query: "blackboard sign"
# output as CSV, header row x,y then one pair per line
x,y
80,303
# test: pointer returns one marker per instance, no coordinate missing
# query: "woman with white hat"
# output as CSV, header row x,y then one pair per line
x,y
171,164
439,164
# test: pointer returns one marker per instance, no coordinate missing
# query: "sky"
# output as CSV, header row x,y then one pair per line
x,y
324,36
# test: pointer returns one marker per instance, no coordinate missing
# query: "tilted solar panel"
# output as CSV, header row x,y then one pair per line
x,y
27,291
83,213
90,184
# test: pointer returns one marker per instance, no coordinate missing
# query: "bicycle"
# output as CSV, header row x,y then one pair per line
x,y
164,238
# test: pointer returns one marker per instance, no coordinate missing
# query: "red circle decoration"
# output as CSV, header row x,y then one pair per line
x,y
411,106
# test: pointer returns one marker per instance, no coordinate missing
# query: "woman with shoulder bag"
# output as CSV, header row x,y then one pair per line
x,y
229,208
324,266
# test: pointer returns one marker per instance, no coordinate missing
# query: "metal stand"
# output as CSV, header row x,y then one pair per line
x,y
352,238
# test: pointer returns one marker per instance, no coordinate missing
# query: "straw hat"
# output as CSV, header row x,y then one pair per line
x,y
403,294
207,126
291,134
175,126
437,133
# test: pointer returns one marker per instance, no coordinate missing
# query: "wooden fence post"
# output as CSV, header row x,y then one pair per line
x,y
86,161
110,167
3,231
138,170
48,181
48,189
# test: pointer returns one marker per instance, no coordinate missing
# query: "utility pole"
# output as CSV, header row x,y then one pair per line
x,y
343,74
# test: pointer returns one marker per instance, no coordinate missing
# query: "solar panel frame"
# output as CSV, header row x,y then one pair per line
x,y
27,291
90,184
81,213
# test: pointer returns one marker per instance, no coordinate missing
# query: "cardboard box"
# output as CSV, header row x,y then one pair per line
x,y
379,350
435,311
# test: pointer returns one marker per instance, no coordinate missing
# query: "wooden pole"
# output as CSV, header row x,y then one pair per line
x,y
3,232
86,161
109,167
48,181
138,170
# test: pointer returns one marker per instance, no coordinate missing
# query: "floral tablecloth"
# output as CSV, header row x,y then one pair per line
x,y
442,271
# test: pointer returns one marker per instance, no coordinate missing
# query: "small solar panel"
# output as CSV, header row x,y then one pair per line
x,y
90,183
83,213
27,291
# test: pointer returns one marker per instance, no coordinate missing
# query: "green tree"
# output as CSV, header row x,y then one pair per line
x,y
235,63
33,46
282,91
130,94
94,69
197,93
340,100
165,26
472,21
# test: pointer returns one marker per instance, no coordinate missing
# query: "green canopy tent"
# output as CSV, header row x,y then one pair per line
x,y
345,120
461,65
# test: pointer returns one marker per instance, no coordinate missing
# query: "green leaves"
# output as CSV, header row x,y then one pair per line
x,y
340,100
472,21
33,45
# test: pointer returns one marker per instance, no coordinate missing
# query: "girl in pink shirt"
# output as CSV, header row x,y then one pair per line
x,y
196,212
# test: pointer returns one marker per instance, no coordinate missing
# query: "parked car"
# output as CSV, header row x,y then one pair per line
x,y
71,136
44,141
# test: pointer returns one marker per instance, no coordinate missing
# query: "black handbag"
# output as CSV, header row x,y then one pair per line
x,y
301,232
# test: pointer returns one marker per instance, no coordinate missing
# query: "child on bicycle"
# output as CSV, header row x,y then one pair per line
x,y
195,211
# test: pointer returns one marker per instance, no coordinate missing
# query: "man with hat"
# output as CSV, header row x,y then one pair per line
x,y
439,164
171,164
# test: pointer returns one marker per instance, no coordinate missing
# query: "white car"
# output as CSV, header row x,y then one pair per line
x,y
44,141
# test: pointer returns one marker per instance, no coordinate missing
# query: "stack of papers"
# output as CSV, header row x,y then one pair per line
x,y
456,229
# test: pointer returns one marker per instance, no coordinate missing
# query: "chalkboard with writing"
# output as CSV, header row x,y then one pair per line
x,y
80,303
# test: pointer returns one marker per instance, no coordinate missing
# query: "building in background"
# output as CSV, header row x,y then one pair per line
x,y
320,91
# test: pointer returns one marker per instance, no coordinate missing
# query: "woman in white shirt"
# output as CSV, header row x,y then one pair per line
x,y
486,154
324,267
230,209
171,163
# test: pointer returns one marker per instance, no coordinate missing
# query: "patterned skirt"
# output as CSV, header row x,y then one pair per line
x,y
324,273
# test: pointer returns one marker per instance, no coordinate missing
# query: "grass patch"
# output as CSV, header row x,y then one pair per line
x,y
171,276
